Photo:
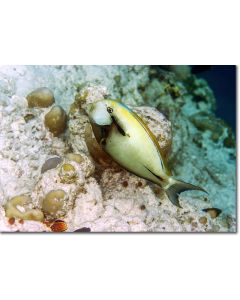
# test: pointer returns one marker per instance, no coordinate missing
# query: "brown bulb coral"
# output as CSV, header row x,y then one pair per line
x,y
19,207
41,97
53,204
56,120
67,173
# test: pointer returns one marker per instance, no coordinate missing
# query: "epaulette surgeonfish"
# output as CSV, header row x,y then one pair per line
x,y
128,140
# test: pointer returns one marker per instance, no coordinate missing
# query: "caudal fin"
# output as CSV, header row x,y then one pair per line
x,y
175,187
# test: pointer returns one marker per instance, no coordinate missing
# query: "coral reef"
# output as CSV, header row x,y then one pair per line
x,y
75,186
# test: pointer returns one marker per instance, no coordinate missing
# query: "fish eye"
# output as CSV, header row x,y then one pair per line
x,y
109,110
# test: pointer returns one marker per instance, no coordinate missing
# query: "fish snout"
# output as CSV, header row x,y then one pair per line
x,y
98,114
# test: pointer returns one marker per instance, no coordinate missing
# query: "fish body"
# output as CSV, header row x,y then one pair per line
x,y
129,141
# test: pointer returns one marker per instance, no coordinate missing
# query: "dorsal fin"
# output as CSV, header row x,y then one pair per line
x,y
154,139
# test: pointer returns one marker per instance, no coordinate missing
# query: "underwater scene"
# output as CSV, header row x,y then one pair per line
x,y
118,148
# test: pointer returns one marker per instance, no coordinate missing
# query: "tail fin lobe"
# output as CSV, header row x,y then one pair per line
x,y
175,187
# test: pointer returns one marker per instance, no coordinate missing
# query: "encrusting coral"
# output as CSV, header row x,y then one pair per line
x,y
71,183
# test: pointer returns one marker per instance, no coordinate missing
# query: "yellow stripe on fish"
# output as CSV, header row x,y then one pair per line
x,y
129,141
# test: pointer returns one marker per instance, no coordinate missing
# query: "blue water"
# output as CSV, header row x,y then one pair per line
x,y
222,80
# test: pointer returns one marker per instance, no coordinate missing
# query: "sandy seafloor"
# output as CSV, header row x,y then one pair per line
x,y
179,108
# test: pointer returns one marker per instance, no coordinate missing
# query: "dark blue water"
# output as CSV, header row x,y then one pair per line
x,y
222,80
